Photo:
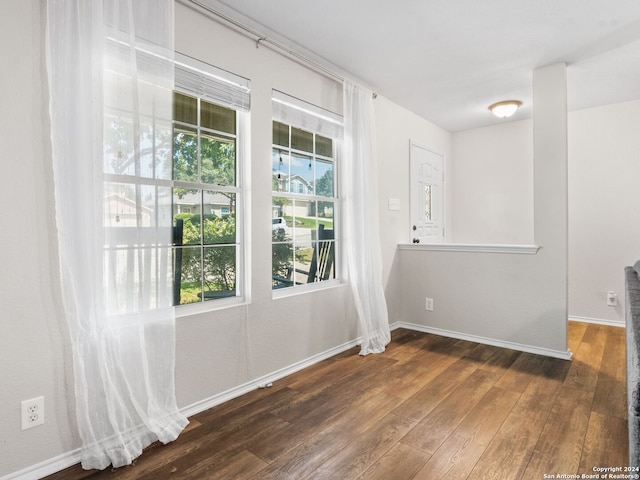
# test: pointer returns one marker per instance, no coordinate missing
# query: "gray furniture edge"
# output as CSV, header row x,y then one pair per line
x,y
632,320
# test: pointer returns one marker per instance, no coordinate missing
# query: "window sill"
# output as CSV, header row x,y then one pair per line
x,y
308,288
191,309
474,248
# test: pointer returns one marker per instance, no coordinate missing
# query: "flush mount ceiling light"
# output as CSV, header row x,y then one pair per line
x,y
505,109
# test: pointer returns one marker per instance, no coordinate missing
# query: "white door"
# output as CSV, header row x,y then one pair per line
x,y
426,190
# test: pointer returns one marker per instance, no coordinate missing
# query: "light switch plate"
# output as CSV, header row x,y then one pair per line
x,y
394,204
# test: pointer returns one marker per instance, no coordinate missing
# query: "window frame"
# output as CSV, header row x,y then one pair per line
x,y
291,195
241,108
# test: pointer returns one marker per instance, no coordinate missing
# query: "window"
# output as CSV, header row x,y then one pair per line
x,y
207,185
304,199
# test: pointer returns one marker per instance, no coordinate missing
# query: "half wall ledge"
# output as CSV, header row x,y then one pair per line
x,y
468,247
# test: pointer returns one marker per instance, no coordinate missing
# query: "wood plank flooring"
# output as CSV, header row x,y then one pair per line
x,y
428,408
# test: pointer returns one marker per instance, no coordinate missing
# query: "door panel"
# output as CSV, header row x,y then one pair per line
x,y
426,190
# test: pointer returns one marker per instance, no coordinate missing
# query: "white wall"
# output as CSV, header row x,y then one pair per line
x,y
604,206
509,299
396,127
266,335
34,353
492,176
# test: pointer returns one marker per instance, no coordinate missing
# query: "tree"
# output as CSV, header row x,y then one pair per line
x,y
217,158
219,263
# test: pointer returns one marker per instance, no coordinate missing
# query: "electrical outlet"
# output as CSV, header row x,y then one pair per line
x,y
428,304
612,299
32,412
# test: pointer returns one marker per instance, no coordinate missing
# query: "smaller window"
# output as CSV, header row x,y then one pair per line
x,y
304,207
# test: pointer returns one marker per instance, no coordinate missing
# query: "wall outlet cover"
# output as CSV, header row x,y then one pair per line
x,y
32,412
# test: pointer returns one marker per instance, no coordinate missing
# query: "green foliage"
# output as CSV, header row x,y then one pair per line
x,y
211,161
282,258
185,156
217,158
324,185
219,254
218,161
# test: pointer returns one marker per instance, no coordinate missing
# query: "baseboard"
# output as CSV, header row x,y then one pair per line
x,y
265,380
599,321
564,355
69,459
46,467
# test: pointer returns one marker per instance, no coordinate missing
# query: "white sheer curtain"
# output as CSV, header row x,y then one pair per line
x,y
110,68
362,231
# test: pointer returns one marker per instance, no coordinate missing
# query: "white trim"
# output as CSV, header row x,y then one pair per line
x,y
464,247
261,382
563,355
307,288
599,321
47,467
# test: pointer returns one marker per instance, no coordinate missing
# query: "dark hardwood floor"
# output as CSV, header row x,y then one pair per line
x,y
428,408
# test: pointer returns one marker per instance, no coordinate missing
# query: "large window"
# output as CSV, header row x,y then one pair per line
x,y
207,188
304,207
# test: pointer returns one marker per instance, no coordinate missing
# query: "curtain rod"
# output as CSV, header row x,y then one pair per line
x,y
260,39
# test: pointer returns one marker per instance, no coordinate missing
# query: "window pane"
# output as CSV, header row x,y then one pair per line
x,y
219,272
188,274
282,264
325,214
324,146
301,180
279,171
301,140
280,134
304,258
305,223
219,221
119,208
324,178
325,269
164,196
217,118
281,226
185,155
427,203
163,148
185,108
218,160
187,205
118,145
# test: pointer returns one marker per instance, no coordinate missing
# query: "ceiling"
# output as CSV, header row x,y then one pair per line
x,y
447,60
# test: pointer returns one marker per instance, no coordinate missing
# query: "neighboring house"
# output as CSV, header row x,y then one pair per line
x,y
299,185
216,204
120,211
